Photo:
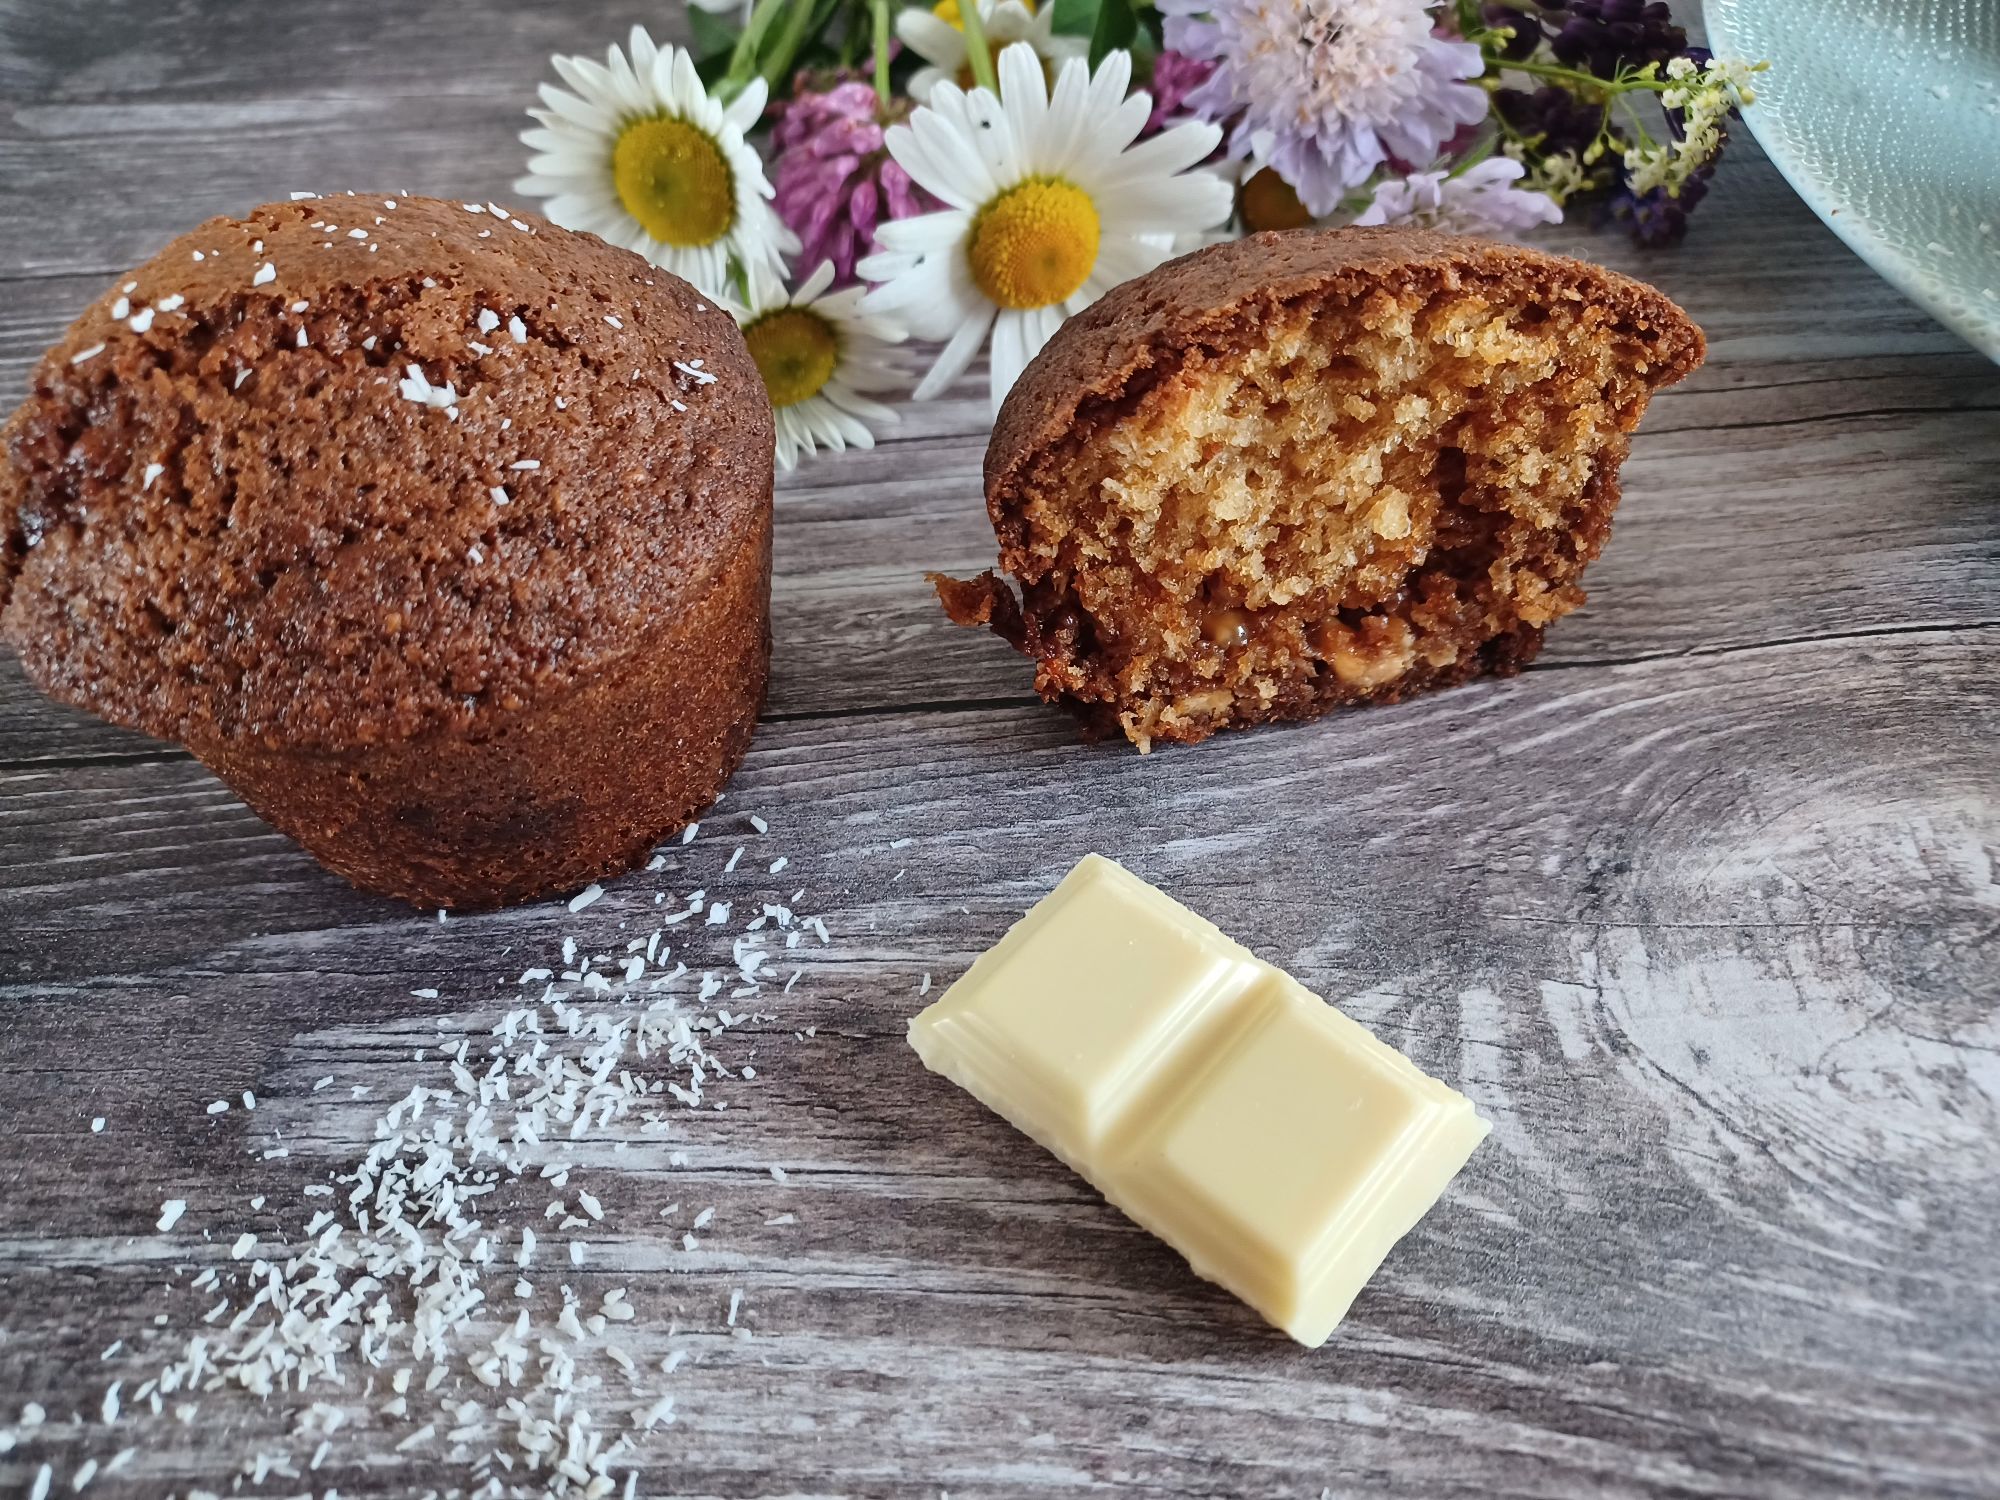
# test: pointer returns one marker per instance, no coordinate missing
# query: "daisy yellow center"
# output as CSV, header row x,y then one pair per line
x,y
673,178
1035,244
795,352
947,11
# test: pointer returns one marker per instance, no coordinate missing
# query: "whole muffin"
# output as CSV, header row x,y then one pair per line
x,y
441,534
1313,468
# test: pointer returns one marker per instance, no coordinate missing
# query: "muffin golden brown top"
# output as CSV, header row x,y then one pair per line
x,y
358,467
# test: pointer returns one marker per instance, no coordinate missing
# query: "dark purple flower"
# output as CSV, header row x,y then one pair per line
x,y
1550,117
1655,218
1526,26
1601,36
834,180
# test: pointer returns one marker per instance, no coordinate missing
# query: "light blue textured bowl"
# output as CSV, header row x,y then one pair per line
x,y
1885,116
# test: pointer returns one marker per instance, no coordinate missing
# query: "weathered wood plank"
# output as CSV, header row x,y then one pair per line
x,y
1728,1235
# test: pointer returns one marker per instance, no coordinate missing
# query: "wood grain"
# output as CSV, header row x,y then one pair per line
x,y
1701,911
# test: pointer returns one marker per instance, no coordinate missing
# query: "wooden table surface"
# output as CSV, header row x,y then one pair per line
x,y
1701,911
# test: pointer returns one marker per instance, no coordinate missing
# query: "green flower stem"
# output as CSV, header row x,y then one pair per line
x,y
879,10
799,26
976,51
743,60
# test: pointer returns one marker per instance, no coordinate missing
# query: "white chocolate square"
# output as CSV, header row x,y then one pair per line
x,y
1077,1003
1274,1142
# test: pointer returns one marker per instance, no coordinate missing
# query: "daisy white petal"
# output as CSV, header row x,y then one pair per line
x,y
1050,206
811,349
941,44
636,151
955,356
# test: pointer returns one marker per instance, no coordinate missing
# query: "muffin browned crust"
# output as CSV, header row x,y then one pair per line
x,y
465,654
1312,468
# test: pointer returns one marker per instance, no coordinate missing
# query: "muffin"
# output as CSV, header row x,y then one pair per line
x,y
1312,468
441,534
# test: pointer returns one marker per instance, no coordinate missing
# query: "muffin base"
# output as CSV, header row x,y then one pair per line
x,y
564,792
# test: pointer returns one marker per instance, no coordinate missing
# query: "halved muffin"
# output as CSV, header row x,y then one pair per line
x,y
1306,469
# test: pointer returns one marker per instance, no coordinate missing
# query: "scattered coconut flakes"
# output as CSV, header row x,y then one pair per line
x,y
219,1107
688,833
416,386
526,463
266,273
170,1213
778,864
401,1273
499,495
174,302
249,1100
97,1125
83,354
518,330
735,1304
613,320
585,897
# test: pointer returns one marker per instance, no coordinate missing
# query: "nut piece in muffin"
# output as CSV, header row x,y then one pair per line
x,y
441,534
1307,469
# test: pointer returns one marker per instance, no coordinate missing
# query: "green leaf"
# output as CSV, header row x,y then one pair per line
x,y
1077,17
1117,26
710,34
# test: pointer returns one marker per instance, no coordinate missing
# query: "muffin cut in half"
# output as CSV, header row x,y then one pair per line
x,y
1312,468
442,535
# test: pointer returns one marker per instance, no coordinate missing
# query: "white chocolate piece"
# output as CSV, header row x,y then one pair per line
x,y
1269,1139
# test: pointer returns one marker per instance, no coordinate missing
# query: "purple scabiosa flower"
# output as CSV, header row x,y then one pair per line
x,y
1480,200
835,182
1175,76
1325,91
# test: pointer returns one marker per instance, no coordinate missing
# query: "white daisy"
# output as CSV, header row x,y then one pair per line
x,y
1046,209
937,36
820,356
642,156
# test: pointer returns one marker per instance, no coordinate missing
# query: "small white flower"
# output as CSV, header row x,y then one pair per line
x,y
642,156
1047,206
822,356
937,36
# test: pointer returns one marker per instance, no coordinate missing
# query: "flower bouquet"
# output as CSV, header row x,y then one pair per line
x,y
844,175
